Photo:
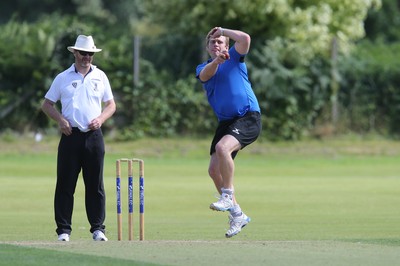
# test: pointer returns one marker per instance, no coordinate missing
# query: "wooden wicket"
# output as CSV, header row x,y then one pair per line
x,y
130,198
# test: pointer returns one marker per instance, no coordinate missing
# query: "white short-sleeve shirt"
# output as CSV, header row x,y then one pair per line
x,y
81,97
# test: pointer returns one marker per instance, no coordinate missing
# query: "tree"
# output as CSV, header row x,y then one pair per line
x,y
299,29
290,58
384,24
33,54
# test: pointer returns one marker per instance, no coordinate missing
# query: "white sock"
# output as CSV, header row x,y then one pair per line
x,y
227,191
236,211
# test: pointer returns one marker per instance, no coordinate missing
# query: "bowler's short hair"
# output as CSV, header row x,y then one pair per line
x,y
209,37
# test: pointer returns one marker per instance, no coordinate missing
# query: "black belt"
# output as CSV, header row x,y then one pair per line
x,y
77,130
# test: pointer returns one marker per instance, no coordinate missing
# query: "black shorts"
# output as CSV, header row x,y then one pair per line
x,y
245,129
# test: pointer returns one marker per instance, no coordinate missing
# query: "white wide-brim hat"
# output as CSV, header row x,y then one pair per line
x,y
84,43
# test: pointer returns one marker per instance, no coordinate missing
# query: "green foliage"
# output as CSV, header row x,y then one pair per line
x,y
301,29
370,89
31,11
157,108
291,97
289,62
23,65
384,24
28,63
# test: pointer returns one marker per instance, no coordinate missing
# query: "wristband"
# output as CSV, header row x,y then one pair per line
x,y
222,31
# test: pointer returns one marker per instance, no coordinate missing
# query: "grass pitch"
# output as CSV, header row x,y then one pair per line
x,y
311,203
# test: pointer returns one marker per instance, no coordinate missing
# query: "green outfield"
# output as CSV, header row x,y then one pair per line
x,y
312,203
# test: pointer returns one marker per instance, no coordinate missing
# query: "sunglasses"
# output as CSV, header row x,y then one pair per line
x,y
83,53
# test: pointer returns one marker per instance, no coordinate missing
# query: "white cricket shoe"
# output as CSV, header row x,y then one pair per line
x,y
224,203
63,237
236,224
99,236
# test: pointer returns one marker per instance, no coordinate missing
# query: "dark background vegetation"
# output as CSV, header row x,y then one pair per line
x,y
301,95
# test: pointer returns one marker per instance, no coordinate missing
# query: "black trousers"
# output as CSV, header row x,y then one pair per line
x,y
80,151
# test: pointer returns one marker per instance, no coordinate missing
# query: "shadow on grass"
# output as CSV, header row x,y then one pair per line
x,y
17,255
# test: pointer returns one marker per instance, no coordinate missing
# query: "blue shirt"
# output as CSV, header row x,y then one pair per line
x,y
229,91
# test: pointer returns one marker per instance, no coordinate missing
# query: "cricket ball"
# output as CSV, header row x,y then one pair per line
x,y
226,55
